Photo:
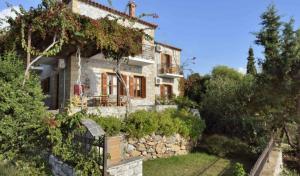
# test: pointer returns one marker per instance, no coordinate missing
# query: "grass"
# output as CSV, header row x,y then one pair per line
x,y
193,164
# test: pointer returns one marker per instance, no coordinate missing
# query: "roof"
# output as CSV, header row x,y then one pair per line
x,y
168,46
100,6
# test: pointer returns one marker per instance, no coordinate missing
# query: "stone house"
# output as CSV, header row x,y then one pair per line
x,y
155,73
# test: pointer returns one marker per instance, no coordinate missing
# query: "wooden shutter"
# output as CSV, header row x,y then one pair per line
x,y
123,87
162,90
169,64
170,91
131,86
104,83
144,87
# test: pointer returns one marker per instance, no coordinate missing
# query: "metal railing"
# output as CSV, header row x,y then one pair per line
x,y
263,159
169,69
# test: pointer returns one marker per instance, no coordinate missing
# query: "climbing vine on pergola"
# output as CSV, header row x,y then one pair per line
x,y
52,29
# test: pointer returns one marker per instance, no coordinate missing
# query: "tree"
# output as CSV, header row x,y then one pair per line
x,y
194,87
224,71
269,35
227,106
279,76
22,112
251,69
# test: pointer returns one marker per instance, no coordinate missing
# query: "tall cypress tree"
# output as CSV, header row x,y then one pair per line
x,y
269,38
289,41
251,69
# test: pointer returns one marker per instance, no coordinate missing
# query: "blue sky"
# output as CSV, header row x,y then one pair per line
x,y
217,32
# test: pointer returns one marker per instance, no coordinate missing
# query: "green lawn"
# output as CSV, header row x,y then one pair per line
x,y
193,164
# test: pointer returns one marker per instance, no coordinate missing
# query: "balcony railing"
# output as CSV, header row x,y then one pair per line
x,y
172,69
148,52
145,58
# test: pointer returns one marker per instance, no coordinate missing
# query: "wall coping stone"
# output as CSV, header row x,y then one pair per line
x,y
133,159
93,127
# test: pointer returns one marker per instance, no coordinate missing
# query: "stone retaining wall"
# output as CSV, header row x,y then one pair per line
x,y
59,168
156,146
121,111
130,167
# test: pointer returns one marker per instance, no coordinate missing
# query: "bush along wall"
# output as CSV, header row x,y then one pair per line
x,y
155,134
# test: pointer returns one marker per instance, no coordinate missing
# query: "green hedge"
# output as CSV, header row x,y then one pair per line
x,y
142,123
111,125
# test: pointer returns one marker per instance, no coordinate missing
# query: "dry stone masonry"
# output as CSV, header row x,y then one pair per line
x,y
157,146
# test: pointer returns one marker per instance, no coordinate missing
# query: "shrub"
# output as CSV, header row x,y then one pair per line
x,y
238,170
167,123
193,126
21,169
141,123
22,112
61,135
223,146
111,125
185,103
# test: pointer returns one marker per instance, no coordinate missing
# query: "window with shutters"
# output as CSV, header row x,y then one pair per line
x,y
166,91
137,86
112,84
123,85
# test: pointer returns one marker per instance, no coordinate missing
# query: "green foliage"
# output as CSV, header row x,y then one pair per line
x,y
276,84
62,129
239,170
167,123
224,146
195,87
228,107
194,126
141,123
54,18
111,125
251,69
269,36
22,114
226,72
21,168
185,103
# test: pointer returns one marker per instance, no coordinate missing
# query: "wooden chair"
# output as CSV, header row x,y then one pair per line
x,y
103,100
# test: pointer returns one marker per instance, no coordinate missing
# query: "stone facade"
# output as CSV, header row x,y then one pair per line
x,y
176,60
93,67
156,146
59,168
131,167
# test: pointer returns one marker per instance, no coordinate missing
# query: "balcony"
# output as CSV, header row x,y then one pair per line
x,y
146,58
169,71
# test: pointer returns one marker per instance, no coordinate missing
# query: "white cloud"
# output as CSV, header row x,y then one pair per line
x,y
242,70
7,13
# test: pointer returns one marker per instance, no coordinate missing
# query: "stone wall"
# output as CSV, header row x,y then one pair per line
x,y
121,110
130,167
156,146
59,168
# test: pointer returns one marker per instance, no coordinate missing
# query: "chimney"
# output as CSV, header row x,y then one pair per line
x,y
132,8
